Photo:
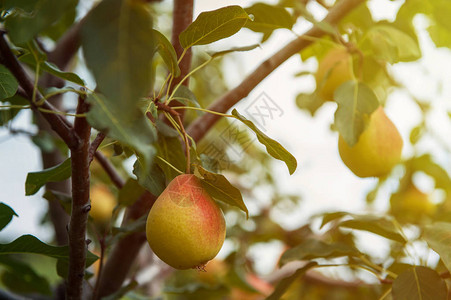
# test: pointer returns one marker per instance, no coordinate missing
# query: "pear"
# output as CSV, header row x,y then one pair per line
x,y
185,227
103,203
378,149
411,205
333,70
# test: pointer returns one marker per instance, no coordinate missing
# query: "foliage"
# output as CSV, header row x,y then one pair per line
x,y
154,112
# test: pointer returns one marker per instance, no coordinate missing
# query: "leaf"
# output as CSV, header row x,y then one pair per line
x,y
30,244
170,149
438,237
272,147
283,285
329,217
22,26
234,49
419,283
133,130
8,83
218,187
267,18
426,164
391,44
6,215
309,102
7,114
48,67
167,52
130,192
35,180
313,248
214,25
184,95
440,27
20,277
376,225
356,101
154,180
119,44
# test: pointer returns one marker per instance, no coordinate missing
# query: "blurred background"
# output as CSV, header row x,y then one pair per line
x,y
322,182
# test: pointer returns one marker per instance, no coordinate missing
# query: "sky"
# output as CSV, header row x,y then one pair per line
x,y
322,179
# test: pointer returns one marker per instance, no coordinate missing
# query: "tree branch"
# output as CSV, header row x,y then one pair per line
x,y
95,144
126,250
80,205
200,127
182,18
67,46
58,123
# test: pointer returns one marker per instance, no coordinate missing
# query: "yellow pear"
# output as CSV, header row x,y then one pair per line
x,y
410,205
103,203
333,70
185,227
378,149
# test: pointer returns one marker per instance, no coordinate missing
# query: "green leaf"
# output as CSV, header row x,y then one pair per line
x,y
234,49
65,200
6,215
267,18
184,95
21,278
133,130
218,187
376,225
438,237
214,25
7,114
440,27
8,83
309,102
154,181
30,244
48,67
272,147
167,52
130,192
356,101
35,180
170,149
119,44
426,164
391,44
283,285
419,283
22,26
313,248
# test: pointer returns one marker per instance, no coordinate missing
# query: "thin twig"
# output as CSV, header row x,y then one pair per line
x,y
58,123
94,145
117,180
200,127
185,138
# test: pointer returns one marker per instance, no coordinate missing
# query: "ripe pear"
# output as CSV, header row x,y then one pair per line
x,y
333,70
410,205
185,227
378,149
103,203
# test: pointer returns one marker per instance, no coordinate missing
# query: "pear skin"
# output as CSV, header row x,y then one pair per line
x,y
378,149
185,227
333,70
411,205
103,203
